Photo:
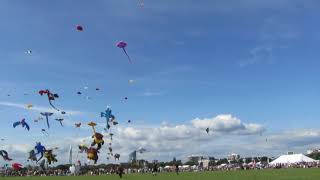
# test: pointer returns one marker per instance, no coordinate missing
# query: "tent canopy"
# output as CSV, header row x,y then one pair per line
x,y
293,158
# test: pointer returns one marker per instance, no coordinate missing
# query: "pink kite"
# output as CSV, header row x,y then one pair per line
x,y
123,46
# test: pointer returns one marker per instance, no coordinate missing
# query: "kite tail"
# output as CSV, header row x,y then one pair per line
x,y
61,124
48,122
40,157
124,50
53,106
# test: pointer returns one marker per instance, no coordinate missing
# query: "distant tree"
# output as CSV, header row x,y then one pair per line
x,y
314,155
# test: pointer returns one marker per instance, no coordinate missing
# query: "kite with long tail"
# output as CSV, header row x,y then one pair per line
x,y
51,97
5,155
60,121
123,46
40,150
109,117
47,114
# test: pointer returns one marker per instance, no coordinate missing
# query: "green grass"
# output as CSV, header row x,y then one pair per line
x,y
283,174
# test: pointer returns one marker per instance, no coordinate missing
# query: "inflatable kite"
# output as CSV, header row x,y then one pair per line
x,y
123,46
47,114
22,123
51,97
92,154
97,137
32,155
109,117
5,155
60,121
16,166
117,157
40,150
51,158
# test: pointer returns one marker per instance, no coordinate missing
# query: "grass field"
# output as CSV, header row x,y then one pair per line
x,y
283,174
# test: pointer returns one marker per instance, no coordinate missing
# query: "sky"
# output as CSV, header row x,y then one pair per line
x,y
246,69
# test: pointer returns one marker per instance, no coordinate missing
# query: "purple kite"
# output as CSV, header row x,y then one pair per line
x,y
123,46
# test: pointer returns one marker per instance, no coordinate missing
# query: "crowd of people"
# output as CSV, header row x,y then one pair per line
x,y
154,169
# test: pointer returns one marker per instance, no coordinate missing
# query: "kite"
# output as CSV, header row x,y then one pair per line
x,y
82,148
79,28
28,52
207,130
51,97
77,125
131,81
123,46
38,119
141,150
44,132
92,154
129,121
23,123
117,157
16,166
29,106
40,150
60,121
97,137
86,87
47,114
79,93
109,117
111,134
48,154
62,112
32,155
125,98
97,89
5,155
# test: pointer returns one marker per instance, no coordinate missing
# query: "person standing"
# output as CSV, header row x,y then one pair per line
x,y
177,169
120,171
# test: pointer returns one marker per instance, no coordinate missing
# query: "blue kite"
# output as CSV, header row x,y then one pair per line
x,y
47,114
40,150
109,117
22,123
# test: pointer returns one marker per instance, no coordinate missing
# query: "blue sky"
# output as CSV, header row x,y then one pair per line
x,y
256,61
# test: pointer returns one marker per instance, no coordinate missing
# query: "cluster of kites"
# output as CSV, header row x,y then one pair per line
x,y
41,154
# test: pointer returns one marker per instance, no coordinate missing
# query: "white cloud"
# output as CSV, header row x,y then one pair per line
x,y
227,123
37,108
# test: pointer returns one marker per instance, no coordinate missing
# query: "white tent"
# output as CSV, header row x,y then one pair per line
x,y
293,158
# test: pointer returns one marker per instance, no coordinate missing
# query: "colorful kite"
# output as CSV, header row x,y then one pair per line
x,y
51,97
16,166
40,150
22,123
51,158
123,46
92,154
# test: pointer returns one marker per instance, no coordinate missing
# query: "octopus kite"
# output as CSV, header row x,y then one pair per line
x,y
5,155
40,150
22,123
51,97
32,155
123,46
